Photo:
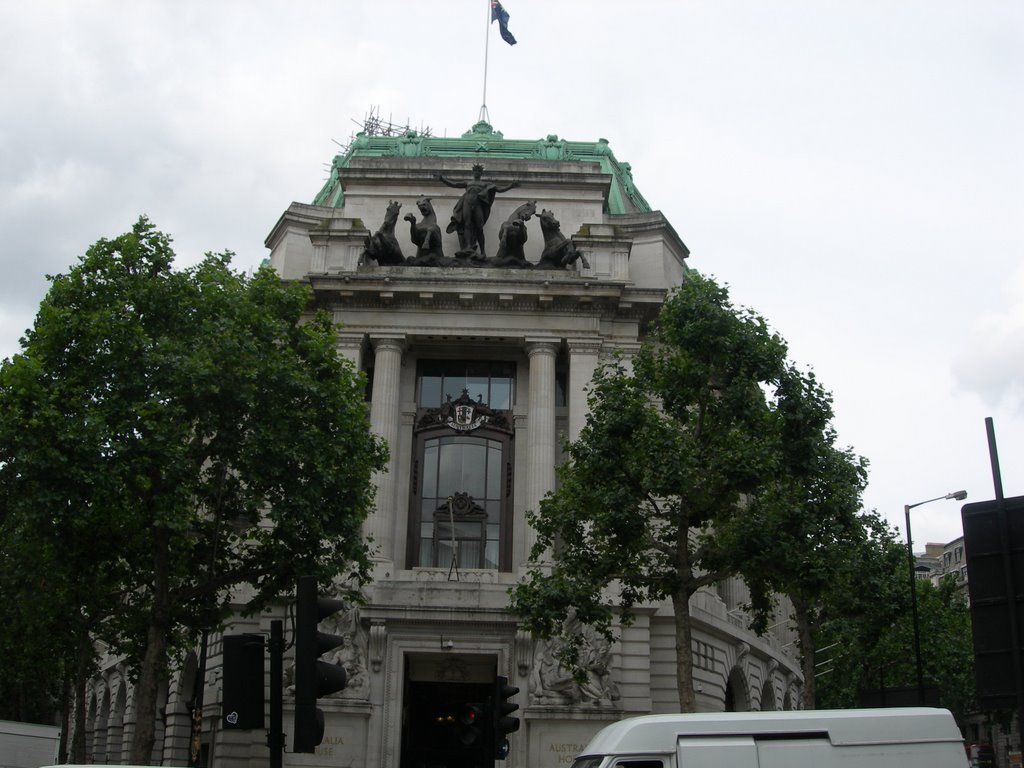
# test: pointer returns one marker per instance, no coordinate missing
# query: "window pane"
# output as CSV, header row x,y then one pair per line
x,y
493,511
430,469
444,553
469,554
427,507
491,555
501,394
477,386
494,465
474,467
426,552
493,381
449,471
430,392
465,530
453,386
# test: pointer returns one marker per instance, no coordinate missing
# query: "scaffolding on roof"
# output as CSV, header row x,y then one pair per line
x,y
373,125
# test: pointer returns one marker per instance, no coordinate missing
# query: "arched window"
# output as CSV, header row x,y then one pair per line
x,y
461,502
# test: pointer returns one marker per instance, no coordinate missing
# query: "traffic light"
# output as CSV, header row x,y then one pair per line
x,y
504,723
471,723
313,678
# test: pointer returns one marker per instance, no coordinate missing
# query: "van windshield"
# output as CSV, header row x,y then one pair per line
x,y
587,762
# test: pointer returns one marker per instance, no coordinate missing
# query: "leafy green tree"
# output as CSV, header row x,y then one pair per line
x,y
876,650
804,535
665,458
179,436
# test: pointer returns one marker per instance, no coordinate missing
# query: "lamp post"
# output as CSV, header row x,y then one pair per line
x,y
959,496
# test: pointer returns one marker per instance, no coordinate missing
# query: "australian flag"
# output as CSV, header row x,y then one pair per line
x,y
499,14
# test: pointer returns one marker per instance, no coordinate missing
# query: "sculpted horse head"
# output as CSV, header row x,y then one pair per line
x,y
391,215
426,208
524,211
559,251
382,247
548,222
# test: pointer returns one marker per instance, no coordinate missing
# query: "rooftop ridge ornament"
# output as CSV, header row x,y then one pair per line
x,y
483,129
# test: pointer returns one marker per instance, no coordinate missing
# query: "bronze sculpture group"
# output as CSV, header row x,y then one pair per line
x,y
468,219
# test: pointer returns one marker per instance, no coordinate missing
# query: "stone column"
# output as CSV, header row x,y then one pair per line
x,y
583,360
541,441
384,421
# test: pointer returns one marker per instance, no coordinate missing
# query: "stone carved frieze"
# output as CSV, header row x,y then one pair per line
x,y
552,683
351,655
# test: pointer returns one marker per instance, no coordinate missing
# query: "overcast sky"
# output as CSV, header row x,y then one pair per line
x,y
854,170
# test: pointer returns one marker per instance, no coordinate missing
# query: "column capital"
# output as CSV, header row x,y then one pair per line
x,y
542,345
396,341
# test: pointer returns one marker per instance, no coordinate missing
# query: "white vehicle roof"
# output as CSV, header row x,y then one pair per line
x,y
849,726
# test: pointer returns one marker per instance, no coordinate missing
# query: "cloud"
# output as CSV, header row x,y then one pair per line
x,y
991,364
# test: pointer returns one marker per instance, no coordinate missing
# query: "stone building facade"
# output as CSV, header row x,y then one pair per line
x,y
478,370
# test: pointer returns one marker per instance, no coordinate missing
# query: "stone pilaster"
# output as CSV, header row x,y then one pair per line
x,y
350,347
583,361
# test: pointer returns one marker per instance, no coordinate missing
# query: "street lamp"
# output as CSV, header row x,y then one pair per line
x,y
959,496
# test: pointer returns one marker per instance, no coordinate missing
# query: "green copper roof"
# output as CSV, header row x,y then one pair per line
x,y
483,141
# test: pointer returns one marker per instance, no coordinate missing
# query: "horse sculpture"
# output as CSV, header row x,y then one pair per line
x,y
426,236
512,236
382,246
559,252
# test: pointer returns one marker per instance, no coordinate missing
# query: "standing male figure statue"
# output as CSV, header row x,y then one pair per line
x,y
472,211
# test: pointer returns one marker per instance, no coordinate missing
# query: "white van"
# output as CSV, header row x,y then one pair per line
x,y
854,738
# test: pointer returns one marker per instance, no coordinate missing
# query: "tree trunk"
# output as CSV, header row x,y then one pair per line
x,y
155,657
82,668
684,652
805,632
67,690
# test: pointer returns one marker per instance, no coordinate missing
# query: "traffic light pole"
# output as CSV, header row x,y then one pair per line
x,y
275,736
1011,592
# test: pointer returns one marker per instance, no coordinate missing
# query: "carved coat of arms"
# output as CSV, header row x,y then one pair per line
x,y
464,415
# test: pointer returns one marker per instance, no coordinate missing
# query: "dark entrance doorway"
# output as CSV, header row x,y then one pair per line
x,y
446,725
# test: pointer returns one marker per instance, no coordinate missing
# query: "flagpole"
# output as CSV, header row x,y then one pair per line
x,y
484,115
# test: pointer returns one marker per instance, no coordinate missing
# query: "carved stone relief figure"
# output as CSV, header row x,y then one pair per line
x,y
351,654
552,683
